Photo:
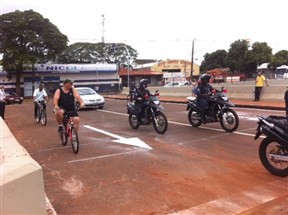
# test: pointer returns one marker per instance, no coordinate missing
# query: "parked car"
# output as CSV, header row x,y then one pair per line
x,y
12,98
90,98
173,84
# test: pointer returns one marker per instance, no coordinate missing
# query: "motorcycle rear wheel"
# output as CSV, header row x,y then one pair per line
x,y
193,122
133,121
271,147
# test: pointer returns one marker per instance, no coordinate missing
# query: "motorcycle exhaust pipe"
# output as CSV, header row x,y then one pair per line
x,y
278,157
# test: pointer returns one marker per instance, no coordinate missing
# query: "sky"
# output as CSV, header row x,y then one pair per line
x,y
162,30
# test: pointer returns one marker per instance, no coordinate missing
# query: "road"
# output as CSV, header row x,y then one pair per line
x,y
185,171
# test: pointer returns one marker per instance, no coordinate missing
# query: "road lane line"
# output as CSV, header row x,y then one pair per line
x,y
185,124
240,202
106,156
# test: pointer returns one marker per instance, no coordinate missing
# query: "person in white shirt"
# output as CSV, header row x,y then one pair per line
x,y
38,96
2,102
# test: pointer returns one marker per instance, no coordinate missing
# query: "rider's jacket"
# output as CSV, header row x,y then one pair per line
x,y
203,91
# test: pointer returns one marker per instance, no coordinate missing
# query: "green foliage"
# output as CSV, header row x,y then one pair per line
x,y
28,38
236,55
279,58
214,60
118,53
82,53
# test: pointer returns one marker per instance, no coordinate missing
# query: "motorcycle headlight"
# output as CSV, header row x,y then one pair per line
x,y
156,102
225,98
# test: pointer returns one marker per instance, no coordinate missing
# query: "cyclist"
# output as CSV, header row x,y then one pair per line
x,y
39,95
64,98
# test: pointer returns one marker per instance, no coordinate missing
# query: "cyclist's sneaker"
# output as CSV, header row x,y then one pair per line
x,y
60,128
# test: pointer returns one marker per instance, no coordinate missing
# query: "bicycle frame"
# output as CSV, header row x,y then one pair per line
x,y
70,132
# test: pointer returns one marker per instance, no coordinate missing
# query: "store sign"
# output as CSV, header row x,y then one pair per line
x,y
173,75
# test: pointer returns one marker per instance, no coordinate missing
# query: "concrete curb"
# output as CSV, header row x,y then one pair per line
x,y
22,184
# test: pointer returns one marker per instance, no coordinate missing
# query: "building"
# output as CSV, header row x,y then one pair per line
x,y
162,72
103,77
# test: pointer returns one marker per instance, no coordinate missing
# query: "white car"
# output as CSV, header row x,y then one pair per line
x,y
90,98
174,84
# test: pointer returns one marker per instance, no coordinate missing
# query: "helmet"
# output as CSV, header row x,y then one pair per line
x,y
144,83
205,79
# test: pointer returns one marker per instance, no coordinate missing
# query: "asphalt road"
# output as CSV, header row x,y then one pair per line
x,y
187,170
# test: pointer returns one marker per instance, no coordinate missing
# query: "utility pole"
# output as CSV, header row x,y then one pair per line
x,y
103,29
192,61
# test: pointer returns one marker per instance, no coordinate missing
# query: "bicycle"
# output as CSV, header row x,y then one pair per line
x,y
41,113
69,131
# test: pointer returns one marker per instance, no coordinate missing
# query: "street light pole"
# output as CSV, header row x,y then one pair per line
x,y
192,61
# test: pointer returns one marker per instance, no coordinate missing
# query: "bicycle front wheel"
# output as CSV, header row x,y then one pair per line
x,y
74,140
43,118
63,136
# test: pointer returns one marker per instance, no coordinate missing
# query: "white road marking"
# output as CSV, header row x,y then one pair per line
x,y
240,202
185,124
106,156
128,141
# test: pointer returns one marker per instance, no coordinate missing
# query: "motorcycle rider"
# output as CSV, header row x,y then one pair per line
x,y
141,96
202,92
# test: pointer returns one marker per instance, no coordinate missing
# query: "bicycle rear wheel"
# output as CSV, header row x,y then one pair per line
x,y
38,118
74,140
43,117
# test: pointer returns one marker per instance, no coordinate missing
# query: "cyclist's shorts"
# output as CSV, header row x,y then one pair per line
x,y
73,114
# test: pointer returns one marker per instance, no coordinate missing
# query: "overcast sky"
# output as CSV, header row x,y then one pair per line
x,y
160,29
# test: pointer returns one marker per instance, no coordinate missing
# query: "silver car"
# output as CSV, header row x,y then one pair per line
x,y
90,98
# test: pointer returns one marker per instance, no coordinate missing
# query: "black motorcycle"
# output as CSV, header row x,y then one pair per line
x,y
152,114
273,150
219,110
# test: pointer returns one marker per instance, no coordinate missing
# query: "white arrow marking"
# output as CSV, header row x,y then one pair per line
x,y
134,141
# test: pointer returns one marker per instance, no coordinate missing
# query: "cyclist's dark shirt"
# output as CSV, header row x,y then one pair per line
x,y
67,100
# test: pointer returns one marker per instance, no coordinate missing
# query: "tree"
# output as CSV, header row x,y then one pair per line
x,y
279,58
261,53
82,53
120,53
214,60
236,58
28,38
117,53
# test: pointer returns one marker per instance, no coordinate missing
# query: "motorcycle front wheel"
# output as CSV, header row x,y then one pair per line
x,y
160,123
133,121
192,117
229,121
274,157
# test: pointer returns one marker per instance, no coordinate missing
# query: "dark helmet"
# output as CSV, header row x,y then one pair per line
x,y
205,79
144,83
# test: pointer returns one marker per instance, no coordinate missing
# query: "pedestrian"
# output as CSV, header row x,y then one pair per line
x,y
286,102
2,102
259,83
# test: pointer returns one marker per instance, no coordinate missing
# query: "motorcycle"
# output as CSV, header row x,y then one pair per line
x,y
273,150
219,110
152,114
